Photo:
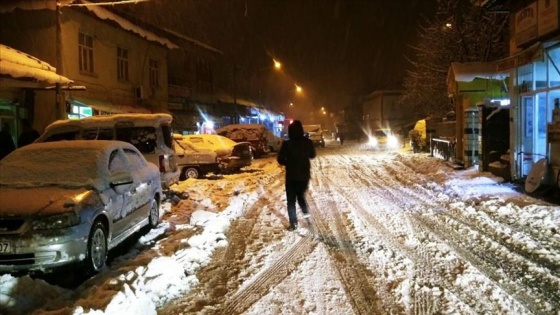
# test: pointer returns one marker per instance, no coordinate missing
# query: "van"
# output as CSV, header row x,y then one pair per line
x,y
151,134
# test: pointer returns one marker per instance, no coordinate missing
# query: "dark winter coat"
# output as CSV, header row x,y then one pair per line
x,y
295,154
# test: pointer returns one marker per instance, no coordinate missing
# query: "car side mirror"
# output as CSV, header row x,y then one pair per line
x,y
121,182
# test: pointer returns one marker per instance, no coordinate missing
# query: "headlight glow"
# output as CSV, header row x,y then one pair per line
x,y
373,141
392,141
57,221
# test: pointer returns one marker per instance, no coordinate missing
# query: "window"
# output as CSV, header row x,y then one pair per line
x,y
98,134
525,78
554,66
154,73
136,161
85,52
122,64
118,163
143,138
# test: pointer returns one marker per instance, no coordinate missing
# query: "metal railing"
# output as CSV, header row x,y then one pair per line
x,y
443,148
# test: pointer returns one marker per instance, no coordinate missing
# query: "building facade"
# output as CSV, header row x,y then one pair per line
x,y
122,67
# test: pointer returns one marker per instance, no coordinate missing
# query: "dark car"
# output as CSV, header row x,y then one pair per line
x,y
255,134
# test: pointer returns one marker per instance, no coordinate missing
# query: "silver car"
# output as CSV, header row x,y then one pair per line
x,y
72,201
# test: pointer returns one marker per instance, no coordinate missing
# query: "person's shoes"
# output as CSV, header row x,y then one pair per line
x,y
306,215
292,227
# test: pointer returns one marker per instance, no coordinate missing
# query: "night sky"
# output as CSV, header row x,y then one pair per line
x,y
332,48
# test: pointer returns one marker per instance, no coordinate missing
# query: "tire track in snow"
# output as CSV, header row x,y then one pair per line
x,y
423,302
353,273
503,275
221,275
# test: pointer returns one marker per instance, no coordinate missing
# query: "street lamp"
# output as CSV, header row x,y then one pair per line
x,y
298,89
277,64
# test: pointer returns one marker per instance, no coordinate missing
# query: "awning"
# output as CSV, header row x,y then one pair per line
x,y
109,107
467,72
499,69
19,65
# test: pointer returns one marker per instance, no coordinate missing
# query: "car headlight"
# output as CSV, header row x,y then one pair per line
x,y
57,221
392,141
373,141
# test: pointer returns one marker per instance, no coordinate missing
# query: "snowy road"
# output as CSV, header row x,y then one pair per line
x,y
389,234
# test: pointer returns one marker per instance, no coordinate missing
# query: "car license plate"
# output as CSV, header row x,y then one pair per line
x,y
5,248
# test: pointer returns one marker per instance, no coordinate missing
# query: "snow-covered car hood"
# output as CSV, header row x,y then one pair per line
x,y
37,200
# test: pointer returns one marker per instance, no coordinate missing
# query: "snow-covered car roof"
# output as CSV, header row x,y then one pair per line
x,y
311,128
210,142
243,131
78,163
111,120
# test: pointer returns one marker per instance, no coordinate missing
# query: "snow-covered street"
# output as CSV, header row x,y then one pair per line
x,y
389,233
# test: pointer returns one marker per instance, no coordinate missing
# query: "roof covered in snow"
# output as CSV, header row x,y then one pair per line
x,y
95,8
19,65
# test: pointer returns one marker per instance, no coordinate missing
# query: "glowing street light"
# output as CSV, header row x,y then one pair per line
x,y
277,64
298,89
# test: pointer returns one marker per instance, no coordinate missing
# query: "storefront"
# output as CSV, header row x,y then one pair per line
x,y
536,90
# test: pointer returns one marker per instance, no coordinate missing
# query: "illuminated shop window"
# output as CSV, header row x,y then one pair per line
x,y
79,112
525,78
554,66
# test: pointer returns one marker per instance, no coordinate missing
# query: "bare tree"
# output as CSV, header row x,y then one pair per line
x,y
459,32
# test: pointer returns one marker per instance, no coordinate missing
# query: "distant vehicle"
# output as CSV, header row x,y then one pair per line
x,y
385,139
274,143
70,202
198,155
151,134
315,134
255,134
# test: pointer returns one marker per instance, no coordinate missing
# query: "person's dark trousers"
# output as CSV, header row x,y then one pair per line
x,y
295,190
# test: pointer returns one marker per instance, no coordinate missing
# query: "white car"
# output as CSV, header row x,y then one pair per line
x,y
274,142
68,202
315,134
385,139
201,154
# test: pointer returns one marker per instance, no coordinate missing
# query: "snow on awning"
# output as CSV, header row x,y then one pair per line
x,y
499,69
106,106
95,8
19,65
104,14
468,71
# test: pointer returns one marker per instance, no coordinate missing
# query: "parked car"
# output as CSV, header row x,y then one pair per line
x,y
193,162
315,133
151,134
68,202
231,156
385,139
274,143
255,134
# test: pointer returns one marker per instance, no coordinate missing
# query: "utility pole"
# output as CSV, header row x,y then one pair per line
x,y
58,94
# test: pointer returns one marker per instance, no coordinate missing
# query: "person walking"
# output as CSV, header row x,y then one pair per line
x,y
295,154
6,141
341,138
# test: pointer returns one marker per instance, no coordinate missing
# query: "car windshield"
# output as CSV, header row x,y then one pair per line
x,y
45,166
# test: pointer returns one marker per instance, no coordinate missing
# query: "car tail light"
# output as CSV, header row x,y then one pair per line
x,y
162,164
